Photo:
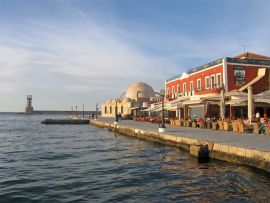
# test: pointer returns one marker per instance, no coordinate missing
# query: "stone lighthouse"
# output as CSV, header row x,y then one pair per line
x,y
29,108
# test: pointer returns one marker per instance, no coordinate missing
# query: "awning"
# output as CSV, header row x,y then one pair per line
x,y
262,100
189,102
158,109
136,107
237,102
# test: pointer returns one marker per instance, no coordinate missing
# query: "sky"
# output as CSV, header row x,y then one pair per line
x,y
69,53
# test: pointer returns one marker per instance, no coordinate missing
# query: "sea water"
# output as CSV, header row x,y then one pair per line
x,y
83,163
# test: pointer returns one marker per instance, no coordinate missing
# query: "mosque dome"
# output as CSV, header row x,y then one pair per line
x,y
126,100
109,101
142,89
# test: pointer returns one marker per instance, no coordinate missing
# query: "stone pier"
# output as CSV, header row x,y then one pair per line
x,y
247,149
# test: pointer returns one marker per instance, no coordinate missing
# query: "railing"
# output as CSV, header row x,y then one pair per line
x,y
216,88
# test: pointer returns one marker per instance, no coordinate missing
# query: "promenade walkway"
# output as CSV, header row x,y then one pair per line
x,y
243,140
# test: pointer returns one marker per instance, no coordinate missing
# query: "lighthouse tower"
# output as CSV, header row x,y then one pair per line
x,y
29,108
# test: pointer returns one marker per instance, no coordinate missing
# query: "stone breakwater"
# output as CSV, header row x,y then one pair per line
x,y
251,157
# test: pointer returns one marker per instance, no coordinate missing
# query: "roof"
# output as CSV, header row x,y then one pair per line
x,y
251,55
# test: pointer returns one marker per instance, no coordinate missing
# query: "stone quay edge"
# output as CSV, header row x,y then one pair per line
x,y
234,154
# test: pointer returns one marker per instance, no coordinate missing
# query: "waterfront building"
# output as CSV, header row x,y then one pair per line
x,y
198,90
137,97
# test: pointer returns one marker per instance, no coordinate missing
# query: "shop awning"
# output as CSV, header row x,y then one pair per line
x,y
237,102
262,100
189,102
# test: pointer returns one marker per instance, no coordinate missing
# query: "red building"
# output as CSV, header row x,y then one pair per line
x,y
229,73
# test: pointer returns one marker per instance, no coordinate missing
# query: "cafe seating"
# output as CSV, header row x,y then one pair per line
x,y
256,128
235,126
220,125
226,126
215,125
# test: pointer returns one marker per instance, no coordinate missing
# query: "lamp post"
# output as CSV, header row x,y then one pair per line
x,y
71,112
96,110
116,112
138,92
162,127
83,110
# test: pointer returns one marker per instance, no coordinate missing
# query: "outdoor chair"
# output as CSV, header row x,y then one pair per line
x,y
243,128
256,128
267,130
202,124
226,126
215,125
208,125
220,125
194,124
177,122
235,126
182,122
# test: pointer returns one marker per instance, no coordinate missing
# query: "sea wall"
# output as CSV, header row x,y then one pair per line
x,y
250,157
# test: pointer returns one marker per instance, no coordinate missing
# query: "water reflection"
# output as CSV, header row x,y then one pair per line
x,y
89,164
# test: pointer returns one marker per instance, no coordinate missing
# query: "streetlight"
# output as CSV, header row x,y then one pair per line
x,y
116,112
137,98
96,110
83,110
162,127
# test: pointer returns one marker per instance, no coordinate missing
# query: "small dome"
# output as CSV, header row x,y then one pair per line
x,y
109,101
142,89
126,100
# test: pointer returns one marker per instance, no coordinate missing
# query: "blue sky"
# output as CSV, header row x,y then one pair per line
x,y
74,52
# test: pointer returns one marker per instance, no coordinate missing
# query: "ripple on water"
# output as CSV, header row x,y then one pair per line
x,y
40,163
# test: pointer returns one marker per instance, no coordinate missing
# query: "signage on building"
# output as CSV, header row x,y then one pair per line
x,y
239,75
145,104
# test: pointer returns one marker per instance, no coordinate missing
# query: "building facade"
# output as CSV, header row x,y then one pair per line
x,y
229,73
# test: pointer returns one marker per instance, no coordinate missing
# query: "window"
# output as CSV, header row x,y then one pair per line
x,y
105,110
212,81
191,88
178,88
218,80
173,91
122,109
199,84
110,109
184,88
168,92
207,83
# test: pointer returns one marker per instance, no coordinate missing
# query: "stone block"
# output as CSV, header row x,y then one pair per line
x,y
199,151
249,153
257,155
266,156
232,150
241,152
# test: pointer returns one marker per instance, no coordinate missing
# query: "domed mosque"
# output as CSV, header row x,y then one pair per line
x,y
138,95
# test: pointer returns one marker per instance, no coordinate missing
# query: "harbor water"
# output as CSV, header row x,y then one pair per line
x,y
83,163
